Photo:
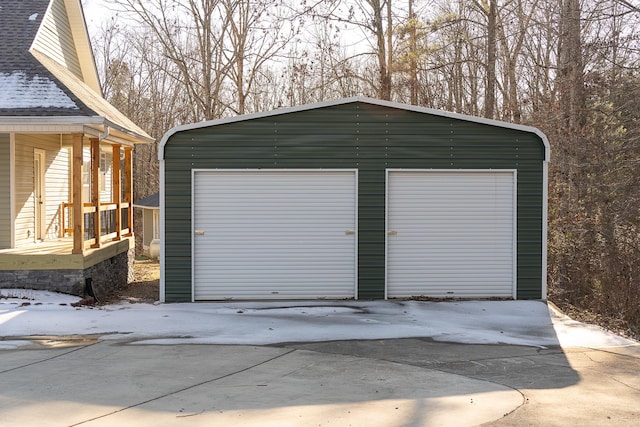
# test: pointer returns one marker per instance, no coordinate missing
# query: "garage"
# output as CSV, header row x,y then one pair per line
x,y
354,198
276,234
451,234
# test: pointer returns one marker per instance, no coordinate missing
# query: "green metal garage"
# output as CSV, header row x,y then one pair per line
x,y
354,198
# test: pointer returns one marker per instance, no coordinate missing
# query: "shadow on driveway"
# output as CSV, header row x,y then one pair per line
x,y
310,366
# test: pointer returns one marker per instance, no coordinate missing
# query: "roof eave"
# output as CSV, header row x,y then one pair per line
x,y
82,41
135,205
126,134
90,125
47,124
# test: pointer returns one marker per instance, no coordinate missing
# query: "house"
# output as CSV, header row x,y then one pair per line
x,y
66,214
353,198
150,224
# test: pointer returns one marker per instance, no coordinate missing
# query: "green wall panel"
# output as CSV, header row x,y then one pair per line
x,y
358,135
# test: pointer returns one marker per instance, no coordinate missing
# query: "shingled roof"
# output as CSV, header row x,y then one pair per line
x,y
32,84
152,202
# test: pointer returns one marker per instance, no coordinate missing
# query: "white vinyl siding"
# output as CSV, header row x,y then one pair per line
x,y
451,234
156,224
106,174
147,227
274,234
5,191
55,38
57,165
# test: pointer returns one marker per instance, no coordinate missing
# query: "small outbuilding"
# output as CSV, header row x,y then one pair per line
x,y
354,198
150,207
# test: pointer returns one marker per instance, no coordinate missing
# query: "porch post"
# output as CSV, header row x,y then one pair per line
x,y
117,190
128,196
78,203
95,189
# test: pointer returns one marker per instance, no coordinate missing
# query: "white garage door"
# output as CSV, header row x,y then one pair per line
x,y
262,234
451,234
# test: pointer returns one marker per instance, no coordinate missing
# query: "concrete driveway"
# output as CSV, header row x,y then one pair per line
x,y
507,363
70,381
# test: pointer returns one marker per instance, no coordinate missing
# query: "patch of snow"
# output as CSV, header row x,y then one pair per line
x,y
13,344
33,17
529,323
18,91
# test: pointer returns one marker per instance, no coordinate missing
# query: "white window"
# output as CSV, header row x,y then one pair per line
x,y
106,170
156,224
86,174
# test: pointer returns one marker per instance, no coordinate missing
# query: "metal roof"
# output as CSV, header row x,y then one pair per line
x,y
350,100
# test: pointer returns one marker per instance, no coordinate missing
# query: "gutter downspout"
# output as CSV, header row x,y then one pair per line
x,y
105,134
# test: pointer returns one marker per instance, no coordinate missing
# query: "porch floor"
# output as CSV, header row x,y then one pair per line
x,y
49,247
57,255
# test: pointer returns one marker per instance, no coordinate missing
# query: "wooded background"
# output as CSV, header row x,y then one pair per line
x,y
568,67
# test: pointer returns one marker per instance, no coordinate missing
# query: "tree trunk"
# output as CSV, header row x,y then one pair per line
x,y
413,63
384,90
571,69
490,89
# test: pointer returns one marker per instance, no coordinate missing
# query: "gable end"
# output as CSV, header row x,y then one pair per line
x,y
63,37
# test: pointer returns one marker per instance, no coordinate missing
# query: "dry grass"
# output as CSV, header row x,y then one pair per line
x,y
146,270
145,287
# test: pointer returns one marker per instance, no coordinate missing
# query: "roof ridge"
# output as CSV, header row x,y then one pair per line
x,y
94,102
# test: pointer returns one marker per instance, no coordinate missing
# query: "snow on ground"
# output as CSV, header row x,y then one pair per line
x,y
533,323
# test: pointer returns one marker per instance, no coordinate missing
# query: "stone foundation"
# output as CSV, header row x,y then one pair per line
x,y
105,277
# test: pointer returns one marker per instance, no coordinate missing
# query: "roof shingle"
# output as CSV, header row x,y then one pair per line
x,y
34,85
26,86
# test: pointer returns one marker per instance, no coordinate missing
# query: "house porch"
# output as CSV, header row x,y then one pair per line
x,y
52,265
58,178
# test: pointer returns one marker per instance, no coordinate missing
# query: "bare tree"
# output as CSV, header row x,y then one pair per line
x,y
257,33
491,9
570,65
374,19
191,38
457,59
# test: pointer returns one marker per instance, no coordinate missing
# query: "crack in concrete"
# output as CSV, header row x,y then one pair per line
x,y
625,384
37,362
171,393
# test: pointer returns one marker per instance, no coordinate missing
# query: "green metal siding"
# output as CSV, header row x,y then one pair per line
x,y
5,191
358,135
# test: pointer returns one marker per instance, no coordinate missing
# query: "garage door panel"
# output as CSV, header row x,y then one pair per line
x,y
451,234
275,234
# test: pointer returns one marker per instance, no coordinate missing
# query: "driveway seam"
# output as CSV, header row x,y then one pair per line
x,y
430,367
434,368
185,388
625,384
48,358
605,350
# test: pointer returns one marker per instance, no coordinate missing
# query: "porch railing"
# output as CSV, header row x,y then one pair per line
x,y
108,223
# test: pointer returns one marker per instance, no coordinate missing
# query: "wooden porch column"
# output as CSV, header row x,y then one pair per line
x,y
117,190
76,195
128,196
95,188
